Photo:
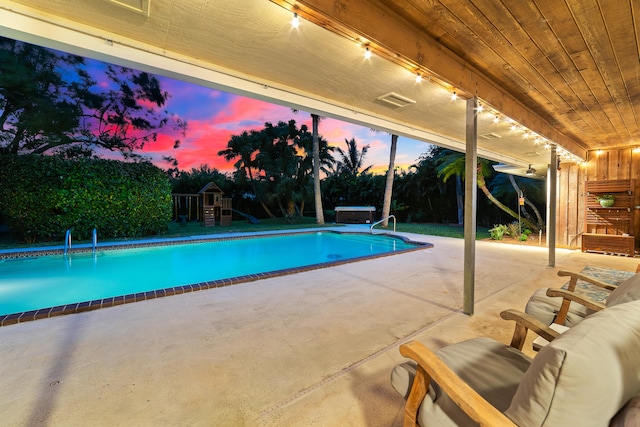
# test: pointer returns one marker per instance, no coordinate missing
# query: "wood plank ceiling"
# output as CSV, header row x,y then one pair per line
x,y
573,62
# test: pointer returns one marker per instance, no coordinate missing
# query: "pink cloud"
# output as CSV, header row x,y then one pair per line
x,y
225,115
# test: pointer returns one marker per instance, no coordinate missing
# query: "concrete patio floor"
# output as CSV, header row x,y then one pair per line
x,y
309,349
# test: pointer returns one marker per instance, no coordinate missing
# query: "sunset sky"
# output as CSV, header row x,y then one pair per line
x,y
215,116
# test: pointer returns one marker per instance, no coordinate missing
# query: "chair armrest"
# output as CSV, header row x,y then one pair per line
x,y
579,276
430,366
572,296
525,323
566,299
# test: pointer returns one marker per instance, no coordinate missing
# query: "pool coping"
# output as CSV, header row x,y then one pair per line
x,y
73,308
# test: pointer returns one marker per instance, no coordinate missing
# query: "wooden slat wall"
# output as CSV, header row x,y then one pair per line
x,y
570,205
608,164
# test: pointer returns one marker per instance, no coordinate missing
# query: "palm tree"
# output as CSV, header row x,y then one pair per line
x,y
244,148
317,191
388,188
241,147
315,119
453,164
530,189
351,161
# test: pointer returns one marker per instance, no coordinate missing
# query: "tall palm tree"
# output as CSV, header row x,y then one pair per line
x,y
315,119
351,160
388,188
452,163
317,191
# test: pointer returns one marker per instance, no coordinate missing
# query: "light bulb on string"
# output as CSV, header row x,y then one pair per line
x,y
454,96
367,53
295,22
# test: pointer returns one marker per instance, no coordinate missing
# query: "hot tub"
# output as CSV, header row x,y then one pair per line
x,y
355,214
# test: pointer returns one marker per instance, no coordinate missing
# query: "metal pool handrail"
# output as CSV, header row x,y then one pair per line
x,y
67,241
383,220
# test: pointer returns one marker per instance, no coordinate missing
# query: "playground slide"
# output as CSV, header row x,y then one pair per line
x,y
252,219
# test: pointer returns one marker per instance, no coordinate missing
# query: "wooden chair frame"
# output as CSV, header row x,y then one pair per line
x,y
431,367
568,295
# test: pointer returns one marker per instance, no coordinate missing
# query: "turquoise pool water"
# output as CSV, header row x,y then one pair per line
x,y
29,284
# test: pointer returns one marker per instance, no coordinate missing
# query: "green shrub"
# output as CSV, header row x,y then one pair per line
x,y
498,231
43,196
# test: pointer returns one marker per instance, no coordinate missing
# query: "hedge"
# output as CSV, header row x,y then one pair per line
x,y
43,196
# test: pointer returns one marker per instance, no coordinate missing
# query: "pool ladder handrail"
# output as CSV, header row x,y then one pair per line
x,y
383,220
67,242
94,241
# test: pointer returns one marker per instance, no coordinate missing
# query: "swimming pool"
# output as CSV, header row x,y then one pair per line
x,y
33,286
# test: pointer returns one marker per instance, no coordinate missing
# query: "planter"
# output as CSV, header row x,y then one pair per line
x,y
606,203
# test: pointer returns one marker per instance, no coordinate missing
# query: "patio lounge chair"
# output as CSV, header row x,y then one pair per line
x,y
567,307
588,376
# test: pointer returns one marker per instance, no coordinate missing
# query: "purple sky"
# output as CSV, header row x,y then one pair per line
x,y
215,116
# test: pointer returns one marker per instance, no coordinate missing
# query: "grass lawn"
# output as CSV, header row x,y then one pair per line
x,y
243,226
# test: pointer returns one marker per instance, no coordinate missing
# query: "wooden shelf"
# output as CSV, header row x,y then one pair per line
x,y
610,230
608,244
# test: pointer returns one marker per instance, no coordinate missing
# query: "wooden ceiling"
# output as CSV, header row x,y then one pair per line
x,y
565,69
573,62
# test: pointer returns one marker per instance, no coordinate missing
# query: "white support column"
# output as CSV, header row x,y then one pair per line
x,y
470,205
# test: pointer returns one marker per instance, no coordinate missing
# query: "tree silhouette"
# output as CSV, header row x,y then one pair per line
x,y
452,163
50,104
352,159
281,158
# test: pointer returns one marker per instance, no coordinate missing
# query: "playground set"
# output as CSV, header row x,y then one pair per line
x,y
208,206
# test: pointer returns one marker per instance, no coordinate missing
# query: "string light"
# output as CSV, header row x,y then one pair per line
x,y
295,23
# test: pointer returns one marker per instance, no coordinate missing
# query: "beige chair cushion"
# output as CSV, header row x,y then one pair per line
x,y
545,308
629,290
584,376
491,368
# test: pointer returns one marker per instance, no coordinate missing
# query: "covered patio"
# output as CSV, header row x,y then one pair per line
x,y
314,348
318,347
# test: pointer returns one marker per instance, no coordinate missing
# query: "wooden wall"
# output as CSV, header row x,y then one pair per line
x,y
608,164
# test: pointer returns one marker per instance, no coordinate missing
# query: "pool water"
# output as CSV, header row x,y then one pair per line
x,y
29,284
